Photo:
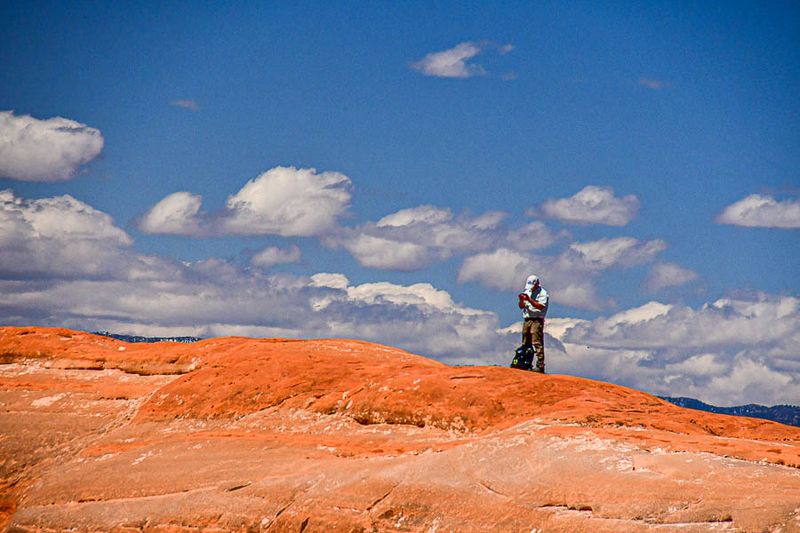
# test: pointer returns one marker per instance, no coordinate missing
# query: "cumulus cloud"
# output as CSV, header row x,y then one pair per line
x,y
330,280
534,236
64,263
287,201
214,298
761,211
176,214
728,352
701,365
272,255
59,218
45,150
456,62
760,320
506,270
417,317
607,253
301,202
371,293
452,63
194,299
500,269
388,254
413,238
571,275
62,237
593,205
663,275
424,214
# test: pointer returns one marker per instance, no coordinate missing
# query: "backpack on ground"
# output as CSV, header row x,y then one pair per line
x,y
523,357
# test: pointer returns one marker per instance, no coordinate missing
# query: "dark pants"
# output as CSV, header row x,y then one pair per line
x,y
533,333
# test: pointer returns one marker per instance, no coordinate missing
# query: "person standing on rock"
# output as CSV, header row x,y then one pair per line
x,y
533,301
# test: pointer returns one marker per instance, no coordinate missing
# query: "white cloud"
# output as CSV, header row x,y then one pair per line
x,y
557,326
507,270
292,202
751,381
581,294
763,320
703,364
62,237
67,264
287,201
452,63
64,263
272,255
501,269
760,211
61,218
417,317
636,315
45,150
607,253
216,298
729,352
387,254
570,276
329,280
176,214
424,214
420,294
453,233
593,205
534,236
413,238
663,275
193,297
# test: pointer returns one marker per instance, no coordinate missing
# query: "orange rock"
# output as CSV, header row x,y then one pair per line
x,y
342,435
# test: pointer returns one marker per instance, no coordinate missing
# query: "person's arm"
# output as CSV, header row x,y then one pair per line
x,y
524,298
537,305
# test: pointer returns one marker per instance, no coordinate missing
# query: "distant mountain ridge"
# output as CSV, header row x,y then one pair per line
x,y
785,414
140,338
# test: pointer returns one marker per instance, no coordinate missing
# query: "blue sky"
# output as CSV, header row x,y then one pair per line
x,y
410,164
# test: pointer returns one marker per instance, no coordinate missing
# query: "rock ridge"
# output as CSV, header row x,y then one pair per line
x,y
241,434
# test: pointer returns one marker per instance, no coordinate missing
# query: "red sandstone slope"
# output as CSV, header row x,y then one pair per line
x,y
68,349
372,383
333,407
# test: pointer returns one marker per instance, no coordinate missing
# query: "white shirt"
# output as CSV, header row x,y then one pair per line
x,y
540,296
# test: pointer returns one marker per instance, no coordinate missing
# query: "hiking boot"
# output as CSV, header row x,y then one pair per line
x,y
537,369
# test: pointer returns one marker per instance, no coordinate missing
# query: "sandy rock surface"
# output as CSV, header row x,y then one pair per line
x,y
238,434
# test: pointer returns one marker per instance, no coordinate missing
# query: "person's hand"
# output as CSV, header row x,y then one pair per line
x,y
522,299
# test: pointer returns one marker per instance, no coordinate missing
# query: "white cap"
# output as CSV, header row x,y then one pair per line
x,y
533,279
